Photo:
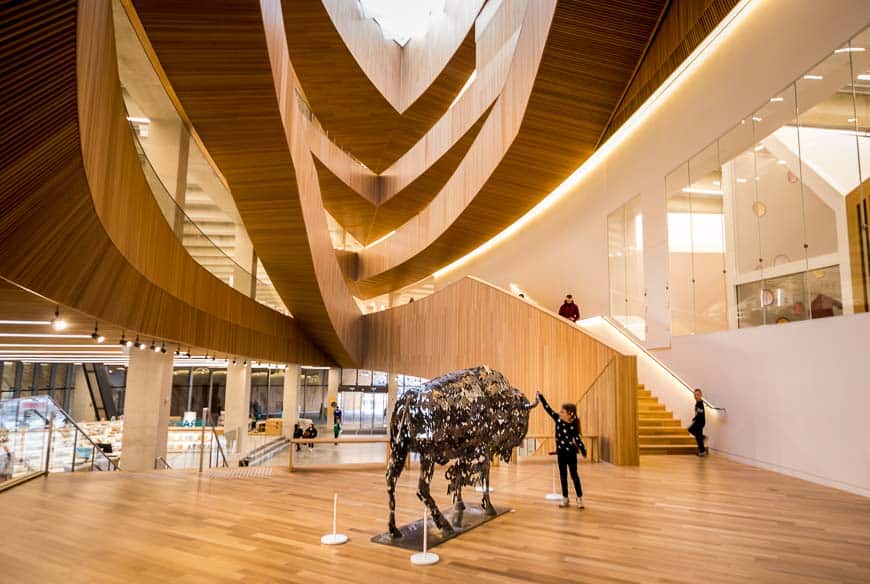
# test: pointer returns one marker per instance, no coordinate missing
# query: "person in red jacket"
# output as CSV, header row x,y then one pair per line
x,y
569,310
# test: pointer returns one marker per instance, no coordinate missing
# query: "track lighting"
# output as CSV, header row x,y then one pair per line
x,y
125,342
57,323
234,360
245,362
154,347
187,353
96,334
163,347
177,350
138,344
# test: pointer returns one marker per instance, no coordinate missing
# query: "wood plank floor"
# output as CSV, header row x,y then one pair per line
x,y
673,519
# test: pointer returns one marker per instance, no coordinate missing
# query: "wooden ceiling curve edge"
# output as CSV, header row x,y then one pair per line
x,y
69,153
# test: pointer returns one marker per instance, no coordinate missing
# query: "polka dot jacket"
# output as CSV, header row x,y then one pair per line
x,y
567,434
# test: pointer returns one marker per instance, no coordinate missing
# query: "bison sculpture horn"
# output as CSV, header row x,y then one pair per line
x,y
467,417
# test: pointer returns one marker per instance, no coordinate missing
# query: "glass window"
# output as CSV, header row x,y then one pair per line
x,y
625,265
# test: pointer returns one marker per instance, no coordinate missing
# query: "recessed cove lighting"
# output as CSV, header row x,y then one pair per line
x,y
777,99
781,162
864,77
742,180
138,120
814,77
756,119
849,50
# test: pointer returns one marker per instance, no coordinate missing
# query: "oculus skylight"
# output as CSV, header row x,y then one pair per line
x,y
402,20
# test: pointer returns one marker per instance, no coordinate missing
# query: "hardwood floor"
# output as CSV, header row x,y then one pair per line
x,y
675,519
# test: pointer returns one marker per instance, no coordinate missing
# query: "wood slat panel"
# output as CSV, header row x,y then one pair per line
x,y
78,223
218,64
369,222
348,104
472,323
590,52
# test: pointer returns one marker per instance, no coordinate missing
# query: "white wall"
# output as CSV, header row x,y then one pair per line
x,y
797,396
564,249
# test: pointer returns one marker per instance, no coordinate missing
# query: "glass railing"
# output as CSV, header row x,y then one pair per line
x,y
190,192
38,437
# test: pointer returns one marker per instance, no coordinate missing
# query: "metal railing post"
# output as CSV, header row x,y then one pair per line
x,y
48,446
202,439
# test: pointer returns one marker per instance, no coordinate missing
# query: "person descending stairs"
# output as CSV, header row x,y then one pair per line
x,y
659,432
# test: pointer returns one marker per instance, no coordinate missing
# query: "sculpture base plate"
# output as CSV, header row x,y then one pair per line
x,y
462,521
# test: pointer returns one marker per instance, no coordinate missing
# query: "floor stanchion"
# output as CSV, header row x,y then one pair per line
x,y
425,558
555,495
334,538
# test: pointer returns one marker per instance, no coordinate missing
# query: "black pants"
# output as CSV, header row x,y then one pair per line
x,y
568,461
698,433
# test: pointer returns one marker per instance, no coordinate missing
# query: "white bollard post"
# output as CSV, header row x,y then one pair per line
x,y
334,538
426,558
555,495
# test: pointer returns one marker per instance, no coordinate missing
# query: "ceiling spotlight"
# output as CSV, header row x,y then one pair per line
x,y
139,345
177,351
245,362
163,347
96,335
125,342
187,353
154,347
234,360
212,357
57,323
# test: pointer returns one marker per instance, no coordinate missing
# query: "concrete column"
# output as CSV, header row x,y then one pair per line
x,y
146,409
243,278
291,398
238,407
82,404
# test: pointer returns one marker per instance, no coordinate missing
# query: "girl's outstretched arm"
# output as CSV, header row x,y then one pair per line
x,y
547,407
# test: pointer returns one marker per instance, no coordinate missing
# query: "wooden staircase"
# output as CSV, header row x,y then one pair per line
x,y
658,432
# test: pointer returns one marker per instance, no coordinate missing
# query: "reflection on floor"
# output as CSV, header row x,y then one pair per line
x,y
333,454
679,519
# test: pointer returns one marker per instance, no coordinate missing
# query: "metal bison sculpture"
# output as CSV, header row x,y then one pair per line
x,y
467,417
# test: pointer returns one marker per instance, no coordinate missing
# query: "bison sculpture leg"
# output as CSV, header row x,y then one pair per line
x,y
398,454
427,468
484,476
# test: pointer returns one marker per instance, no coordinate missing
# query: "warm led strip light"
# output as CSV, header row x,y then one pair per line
x,y
674,80
43,336
27,322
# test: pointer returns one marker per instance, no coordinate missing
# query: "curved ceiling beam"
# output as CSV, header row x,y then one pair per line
x,y
591,50
218,63
348,105
368,222
78,222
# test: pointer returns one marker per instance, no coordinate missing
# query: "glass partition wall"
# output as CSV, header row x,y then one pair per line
x,y
625,266
768,224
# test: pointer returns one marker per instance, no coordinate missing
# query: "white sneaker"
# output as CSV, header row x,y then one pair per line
x,y
580,503
565,502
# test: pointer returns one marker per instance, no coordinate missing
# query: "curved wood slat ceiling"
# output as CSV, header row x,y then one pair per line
x,y
346,102
591,51
685,24
368,222
217,61
78,223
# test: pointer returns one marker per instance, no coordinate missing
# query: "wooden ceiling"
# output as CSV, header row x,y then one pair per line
x,y
368,222
218,64
78,222
591,53
347,104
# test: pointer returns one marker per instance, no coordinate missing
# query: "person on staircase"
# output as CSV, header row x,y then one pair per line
x,y
569,309
568,442
698,422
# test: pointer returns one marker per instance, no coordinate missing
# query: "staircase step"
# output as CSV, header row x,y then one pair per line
x,y
647,400
654,415
659,449
658,423
667,440
673,429
651,408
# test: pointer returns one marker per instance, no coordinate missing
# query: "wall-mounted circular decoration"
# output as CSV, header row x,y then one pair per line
x,y
759,208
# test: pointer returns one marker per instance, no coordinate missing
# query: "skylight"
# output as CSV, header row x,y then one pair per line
x,y
402,20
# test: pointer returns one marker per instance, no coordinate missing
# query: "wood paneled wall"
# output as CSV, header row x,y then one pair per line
x,y
78,224
608,409
473,323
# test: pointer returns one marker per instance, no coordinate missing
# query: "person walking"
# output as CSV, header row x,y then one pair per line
x,y
568,442
698,423
297,433
569,309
